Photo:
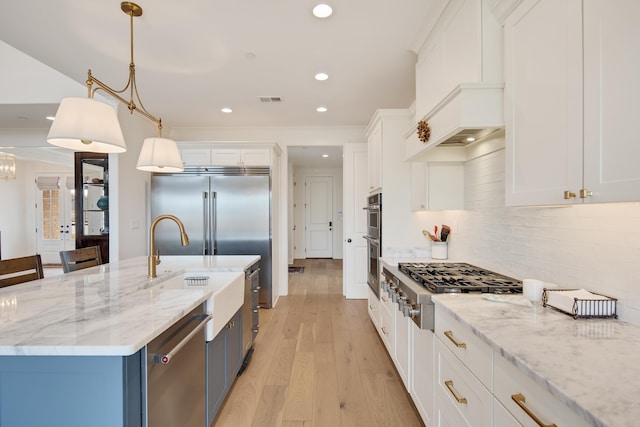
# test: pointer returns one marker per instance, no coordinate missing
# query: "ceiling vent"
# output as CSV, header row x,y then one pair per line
x,y
270,99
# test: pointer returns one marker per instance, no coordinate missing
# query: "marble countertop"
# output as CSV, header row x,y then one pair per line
x,y
592,365
108,310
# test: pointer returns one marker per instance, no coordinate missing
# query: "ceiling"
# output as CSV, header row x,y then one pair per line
x,y
194,57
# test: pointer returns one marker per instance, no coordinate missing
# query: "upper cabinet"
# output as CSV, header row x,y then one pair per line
x,y
385,136
571,86
459,77
374,153
211,155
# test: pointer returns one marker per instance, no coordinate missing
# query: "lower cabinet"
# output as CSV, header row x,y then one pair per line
x,y
422,371
527,400
224,359
72,391
461,398
374,308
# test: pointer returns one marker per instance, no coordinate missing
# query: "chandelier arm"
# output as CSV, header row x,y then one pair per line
x,y
116,95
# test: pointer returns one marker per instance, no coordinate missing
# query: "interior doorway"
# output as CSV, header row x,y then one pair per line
x,y
55,230
315,180
318,207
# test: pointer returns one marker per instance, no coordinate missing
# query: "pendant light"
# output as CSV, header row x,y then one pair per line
x,y
86,124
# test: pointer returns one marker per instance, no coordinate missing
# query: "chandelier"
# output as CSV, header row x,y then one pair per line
x,y
7,166
86,124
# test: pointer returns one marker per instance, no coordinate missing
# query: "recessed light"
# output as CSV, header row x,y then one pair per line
x,y
321,76
321,109
470,139
50,118
226,110
322,10
325,155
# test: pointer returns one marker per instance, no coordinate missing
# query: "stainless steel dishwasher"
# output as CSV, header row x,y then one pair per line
x,y
250,313
176,374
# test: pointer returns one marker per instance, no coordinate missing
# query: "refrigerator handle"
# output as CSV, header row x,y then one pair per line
x,y
213,222
205,221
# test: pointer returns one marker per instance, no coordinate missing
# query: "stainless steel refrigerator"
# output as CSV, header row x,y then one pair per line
x,y
226,211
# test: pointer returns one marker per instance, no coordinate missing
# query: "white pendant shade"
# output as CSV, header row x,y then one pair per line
x,y
160,155
84,124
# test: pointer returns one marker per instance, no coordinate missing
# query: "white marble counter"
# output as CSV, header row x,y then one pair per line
x,y
112,309
593,366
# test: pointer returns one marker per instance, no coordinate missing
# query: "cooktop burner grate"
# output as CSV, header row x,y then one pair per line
x,y
459,277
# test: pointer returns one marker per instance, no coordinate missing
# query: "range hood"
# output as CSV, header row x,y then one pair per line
x,y
473,110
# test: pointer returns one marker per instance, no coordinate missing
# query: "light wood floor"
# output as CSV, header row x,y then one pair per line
x,y
318,362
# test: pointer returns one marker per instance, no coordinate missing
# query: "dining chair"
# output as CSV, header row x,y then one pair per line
x,y
78,259
30,266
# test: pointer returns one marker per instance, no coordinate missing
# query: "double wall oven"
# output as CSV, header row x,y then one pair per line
x,y
373,237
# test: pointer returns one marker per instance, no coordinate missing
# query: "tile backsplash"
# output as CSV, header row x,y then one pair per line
x,y
595,247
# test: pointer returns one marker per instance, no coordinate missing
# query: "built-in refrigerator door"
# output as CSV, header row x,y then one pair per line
x,y
188,198
242,222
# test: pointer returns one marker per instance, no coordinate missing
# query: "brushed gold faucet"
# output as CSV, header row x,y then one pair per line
x,y
154,259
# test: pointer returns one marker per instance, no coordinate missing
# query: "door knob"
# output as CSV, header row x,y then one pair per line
x,y
348,240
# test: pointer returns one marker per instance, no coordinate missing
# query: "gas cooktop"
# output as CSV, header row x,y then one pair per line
x,y
459,277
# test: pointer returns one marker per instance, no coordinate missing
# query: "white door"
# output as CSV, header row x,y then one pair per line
x,y
319,216
54,215
356,190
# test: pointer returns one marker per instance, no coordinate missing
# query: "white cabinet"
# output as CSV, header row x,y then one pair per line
x,y
571,87
611,93
461,398
385,136
528,401
437,186
222,156
466,345
422,372
374,308
196,156
402,346
374,139
387,323
240,157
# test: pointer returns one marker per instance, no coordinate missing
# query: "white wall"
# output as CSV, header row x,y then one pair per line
x,y
18,214
298,238
129,190
596,247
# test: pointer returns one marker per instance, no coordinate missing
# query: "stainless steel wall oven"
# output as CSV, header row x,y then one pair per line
x,y
374,235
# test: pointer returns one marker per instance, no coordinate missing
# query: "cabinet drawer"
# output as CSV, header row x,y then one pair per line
x,y
458,388
471,350
511,383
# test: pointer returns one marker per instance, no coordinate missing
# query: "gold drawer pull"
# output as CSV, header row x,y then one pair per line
x,y
520,401
449,385
449,334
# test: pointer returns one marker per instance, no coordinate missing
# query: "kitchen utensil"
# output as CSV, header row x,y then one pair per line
x,y
435,231
425,233
444,234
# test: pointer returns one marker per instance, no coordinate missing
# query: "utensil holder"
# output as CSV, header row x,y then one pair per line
x,y
439,250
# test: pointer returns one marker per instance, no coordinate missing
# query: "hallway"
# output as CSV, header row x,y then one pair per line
x,y
318,362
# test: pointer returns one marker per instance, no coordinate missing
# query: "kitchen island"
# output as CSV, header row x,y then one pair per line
x,y
588,365
72,346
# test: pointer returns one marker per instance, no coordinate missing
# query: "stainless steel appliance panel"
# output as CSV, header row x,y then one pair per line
x,y
223,215
176,380
185,197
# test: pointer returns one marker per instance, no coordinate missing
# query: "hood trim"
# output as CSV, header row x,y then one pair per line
x,y
469,109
